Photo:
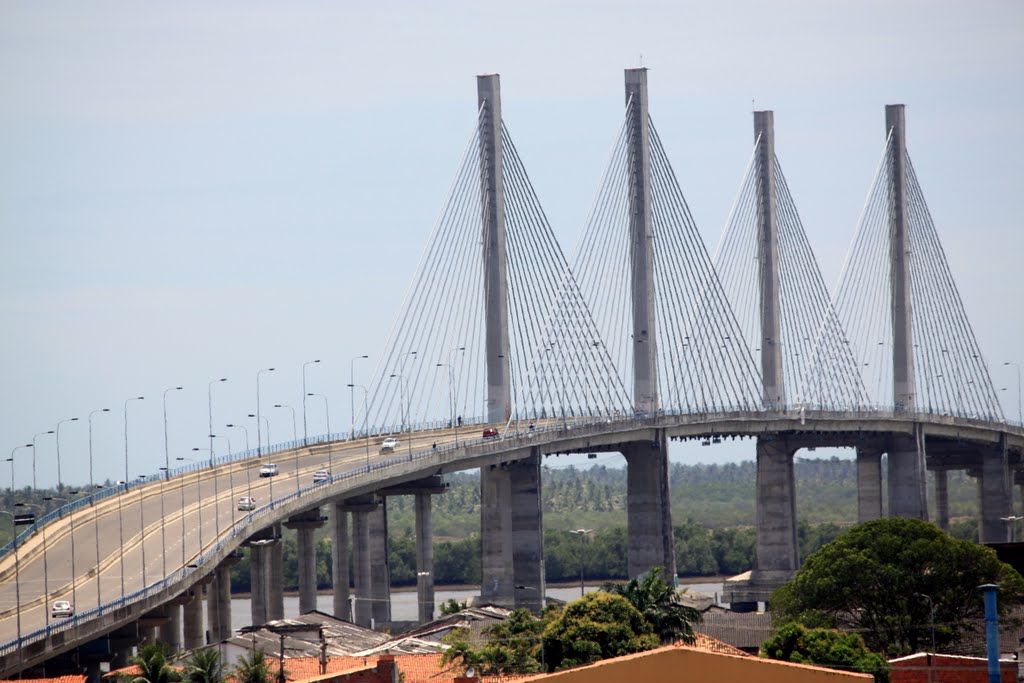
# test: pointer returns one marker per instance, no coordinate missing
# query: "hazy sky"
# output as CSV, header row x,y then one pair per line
x,y
196,190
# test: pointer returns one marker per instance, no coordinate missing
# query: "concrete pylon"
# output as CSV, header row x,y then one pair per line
x,y
424,557
339,561
772,379
908,489
497,555
192,618
649,508
641,245
380,568
305,524
361,508
275,577
492,185
527,533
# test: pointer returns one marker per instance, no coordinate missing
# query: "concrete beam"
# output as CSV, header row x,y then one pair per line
x,y
492,184
430,485
641,245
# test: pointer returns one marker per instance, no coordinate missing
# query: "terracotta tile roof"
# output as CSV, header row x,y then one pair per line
x,y
130,670
76,678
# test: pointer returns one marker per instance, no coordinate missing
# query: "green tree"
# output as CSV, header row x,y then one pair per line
x,y
659,604
512,646
693,550
825,647
452,606
253,668
597,626
871,580
154,662
204,666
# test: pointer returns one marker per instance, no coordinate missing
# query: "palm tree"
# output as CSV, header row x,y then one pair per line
x,y
204,666
154,662
254,668
659,604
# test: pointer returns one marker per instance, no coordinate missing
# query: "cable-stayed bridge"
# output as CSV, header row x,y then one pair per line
x,y
506,349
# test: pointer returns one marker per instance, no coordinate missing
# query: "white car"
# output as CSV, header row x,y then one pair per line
x,y
62,608
246,504
321,476
268,470
389,444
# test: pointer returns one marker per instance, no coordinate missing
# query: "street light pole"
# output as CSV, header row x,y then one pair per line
x,y
295,438
305,430
120,517
1020,413
454,390
352,394
408,405
199,501
259,445
231,481
180,459
70,419
581,533
34,450
248,481
166,469
931,623
96,512
71,520
366,431
46,568
327,412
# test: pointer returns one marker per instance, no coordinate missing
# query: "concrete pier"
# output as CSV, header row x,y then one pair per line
x,y
305,525
259,573
170,632
220,596
380,568
339,561
777,550
213,627
869,484
275,577
424,558
649,508
941,498
497,558
527,533
908,484
192,618
361,508
996,495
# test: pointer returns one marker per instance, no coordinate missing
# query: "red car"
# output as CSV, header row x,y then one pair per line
x,y
490,433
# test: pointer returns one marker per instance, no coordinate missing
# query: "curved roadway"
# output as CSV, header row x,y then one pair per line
x,y
191,520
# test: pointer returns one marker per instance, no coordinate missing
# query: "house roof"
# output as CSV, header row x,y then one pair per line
x,y
75,678
745,630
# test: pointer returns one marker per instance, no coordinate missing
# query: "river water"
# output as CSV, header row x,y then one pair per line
x,y
403,602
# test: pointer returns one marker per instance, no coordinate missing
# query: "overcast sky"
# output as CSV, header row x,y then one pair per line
x,y
196,190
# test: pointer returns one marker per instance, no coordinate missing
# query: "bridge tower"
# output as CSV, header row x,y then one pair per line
x,y
492,189
511,527
907,480
648,501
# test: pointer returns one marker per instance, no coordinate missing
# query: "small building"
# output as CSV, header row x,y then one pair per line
x,y
925,667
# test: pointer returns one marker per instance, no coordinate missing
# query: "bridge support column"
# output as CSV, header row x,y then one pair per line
x,y
192,618
649,508
275,577
380,570
942,498
305,525
908,485
339,561
527,533
869,484
259,569
497,558
424,557
213,627
996,496
778,554
170,632
361,508
219,595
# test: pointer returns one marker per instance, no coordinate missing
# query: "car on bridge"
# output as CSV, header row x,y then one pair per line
x,y
491,433
62,608
246,504
268,469
388,445
320,476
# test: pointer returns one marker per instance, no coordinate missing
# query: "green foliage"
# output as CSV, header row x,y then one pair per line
x,y
694,556
513,646
597,626
660,606
154,660
204,666
871,580
825,647
253,668
452,606
734,549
